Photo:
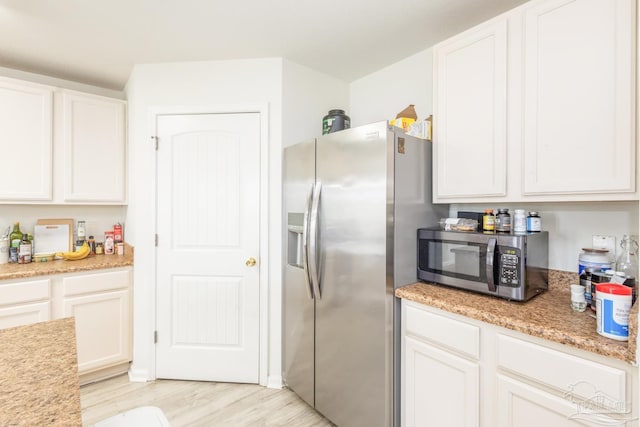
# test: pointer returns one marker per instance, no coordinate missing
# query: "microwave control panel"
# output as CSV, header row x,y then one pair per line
x,y
509,267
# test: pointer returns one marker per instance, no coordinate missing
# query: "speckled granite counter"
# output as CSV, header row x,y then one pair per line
x,y
21,271
39,375
547,316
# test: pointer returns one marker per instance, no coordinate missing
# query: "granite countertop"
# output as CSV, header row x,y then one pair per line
x,y
95,262
548,315
39,375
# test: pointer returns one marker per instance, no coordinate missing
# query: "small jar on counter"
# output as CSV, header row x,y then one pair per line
x,y
99,248
503,221
488,221
534,222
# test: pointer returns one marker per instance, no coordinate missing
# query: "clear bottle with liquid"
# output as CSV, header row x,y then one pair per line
x,y
627,262
82,231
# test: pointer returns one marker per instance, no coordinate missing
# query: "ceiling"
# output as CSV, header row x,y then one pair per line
x,y
98,42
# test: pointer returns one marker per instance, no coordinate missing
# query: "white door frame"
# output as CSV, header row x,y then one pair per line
x,y
263,111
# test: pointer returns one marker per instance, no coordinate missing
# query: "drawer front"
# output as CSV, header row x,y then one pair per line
x,y
449,333
19,292
96,282
566,373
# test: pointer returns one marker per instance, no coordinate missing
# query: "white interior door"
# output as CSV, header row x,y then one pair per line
x,y
208,215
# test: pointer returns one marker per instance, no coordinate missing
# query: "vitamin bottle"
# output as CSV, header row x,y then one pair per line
x,y
488,221
503,221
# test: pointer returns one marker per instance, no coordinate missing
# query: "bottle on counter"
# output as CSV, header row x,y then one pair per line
x,y
33,246
488,221
519,221
82,231
627,263
99,248
14,242
503,221
24,250
92,245
534,222
109,244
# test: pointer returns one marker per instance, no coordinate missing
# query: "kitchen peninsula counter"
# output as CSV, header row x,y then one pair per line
x,y
548,316
96,262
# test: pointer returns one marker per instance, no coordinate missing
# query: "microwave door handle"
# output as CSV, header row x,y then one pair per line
x,y
491,251
305,243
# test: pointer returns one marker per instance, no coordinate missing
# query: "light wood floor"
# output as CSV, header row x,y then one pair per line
x,y
193,403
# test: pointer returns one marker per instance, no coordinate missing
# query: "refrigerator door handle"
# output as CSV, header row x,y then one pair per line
x,y
313,241
305,243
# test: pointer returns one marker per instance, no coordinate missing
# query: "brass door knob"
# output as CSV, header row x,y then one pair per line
x,y
250,262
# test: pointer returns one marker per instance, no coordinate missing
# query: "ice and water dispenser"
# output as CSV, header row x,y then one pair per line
x,y
295,221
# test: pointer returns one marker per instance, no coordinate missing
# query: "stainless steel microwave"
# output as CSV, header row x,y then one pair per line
x,y
511,266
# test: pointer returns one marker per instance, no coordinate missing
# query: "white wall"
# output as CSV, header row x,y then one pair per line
x,y
380,95
307,96
297,98
98,218
383,94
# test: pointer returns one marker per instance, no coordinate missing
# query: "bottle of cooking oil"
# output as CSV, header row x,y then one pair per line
x,y
14,242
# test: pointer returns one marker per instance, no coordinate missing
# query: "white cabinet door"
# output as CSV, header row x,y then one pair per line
x,y
24,314
25,141
522,405
439,388
579,97
470,113
94,148
23,302
100,302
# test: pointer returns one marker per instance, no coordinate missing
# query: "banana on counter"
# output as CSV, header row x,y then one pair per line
x,y
81,253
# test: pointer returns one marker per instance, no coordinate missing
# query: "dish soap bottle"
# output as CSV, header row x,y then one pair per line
x,y
627,262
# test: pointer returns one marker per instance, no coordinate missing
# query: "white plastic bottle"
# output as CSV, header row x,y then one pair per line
x,y
519,221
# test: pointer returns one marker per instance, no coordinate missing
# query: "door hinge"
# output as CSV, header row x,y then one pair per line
x,y
156,240
155,337
155,138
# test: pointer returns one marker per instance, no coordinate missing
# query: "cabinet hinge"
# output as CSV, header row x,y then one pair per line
x,y
156,240
155,138
155,337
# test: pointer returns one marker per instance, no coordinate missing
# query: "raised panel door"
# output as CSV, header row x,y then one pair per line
x,y
25,141
439,388
579,97
103,328
470,113
94,149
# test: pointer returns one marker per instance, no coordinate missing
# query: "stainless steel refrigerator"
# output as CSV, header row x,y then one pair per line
x,y
353,202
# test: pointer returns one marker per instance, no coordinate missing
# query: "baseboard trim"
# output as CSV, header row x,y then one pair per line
x,y
139,375
274,381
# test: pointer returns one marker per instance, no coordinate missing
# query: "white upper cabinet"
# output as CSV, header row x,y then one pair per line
x,y
471,110
579,134
25,141
554,116
94,148
61,146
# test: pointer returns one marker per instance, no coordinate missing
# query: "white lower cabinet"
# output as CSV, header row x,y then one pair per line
x,y
100,303
99,300
23,302
458,380
457,371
